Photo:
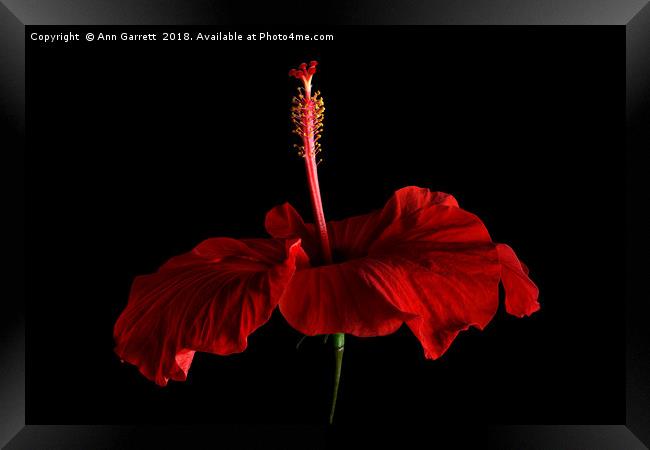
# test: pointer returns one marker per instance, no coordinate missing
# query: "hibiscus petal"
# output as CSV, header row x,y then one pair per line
x,y
351,237
521,292
451,268
210,299
340,298
412,198
284,222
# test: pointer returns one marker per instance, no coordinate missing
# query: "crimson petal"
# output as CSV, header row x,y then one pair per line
x,y
521,292
210,299
351,237
284,222
412,198
342,298
449,269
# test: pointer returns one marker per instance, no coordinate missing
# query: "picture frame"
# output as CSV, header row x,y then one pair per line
x,y
633,21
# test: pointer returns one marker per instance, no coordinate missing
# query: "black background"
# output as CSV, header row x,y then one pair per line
x,y
138,151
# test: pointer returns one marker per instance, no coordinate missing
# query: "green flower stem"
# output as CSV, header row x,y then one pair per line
x,y
339,343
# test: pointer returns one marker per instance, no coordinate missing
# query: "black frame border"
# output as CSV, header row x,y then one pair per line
x,y
632,15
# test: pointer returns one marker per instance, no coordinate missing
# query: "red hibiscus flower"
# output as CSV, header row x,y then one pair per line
x,y
421,260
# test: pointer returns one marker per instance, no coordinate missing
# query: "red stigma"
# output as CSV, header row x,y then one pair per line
x,y
305,73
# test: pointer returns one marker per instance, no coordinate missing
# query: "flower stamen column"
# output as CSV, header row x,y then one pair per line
x,y
307,114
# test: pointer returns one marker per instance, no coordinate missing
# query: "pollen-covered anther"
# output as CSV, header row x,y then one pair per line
x,y
307,114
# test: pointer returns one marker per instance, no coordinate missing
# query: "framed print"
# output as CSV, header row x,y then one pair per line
x,y
238,229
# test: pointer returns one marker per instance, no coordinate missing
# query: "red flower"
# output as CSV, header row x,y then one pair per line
x,y
421,260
